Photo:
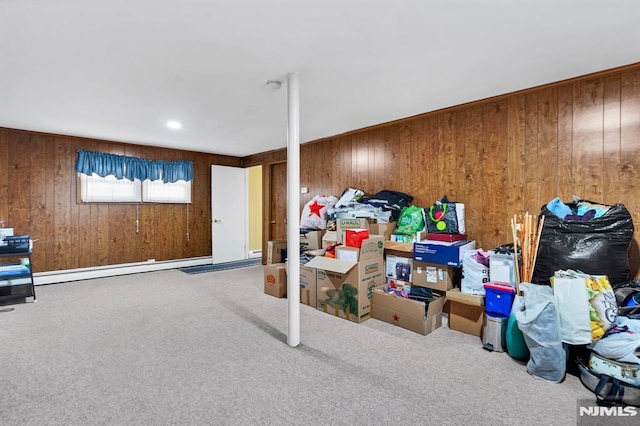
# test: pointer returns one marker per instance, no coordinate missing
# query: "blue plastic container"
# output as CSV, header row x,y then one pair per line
x,y
498,299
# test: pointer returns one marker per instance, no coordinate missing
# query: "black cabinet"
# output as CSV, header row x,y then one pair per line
x,y
16,277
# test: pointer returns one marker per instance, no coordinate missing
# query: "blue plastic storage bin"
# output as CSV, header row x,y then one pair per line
x,y
498,299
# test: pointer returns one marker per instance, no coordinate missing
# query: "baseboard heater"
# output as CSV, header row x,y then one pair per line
x,y
66,275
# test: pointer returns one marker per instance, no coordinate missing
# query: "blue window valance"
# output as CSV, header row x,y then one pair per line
x,y
122,166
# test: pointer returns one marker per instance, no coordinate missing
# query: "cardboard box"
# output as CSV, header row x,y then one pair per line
x,y
344,286
407,313
348,253
311,240
399,246
350,223
398,267
466,312
274,251
308,285
385,229
329,238
275,280
442,252
434,276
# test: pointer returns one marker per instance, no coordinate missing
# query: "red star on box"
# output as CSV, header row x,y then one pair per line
x,y
315,208
396,317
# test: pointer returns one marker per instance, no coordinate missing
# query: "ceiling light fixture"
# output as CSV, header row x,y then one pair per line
x,y
274,84
174,125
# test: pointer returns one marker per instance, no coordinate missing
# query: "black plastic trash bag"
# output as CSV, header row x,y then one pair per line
x,y
537,318
598,246
388,200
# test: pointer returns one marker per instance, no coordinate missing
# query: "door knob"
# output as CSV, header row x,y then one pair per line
x,y
273,222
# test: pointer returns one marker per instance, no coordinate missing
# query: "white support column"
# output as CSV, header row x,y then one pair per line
x,y
293,209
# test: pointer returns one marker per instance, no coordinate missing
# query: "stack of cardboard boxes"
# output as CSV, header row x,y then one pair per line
x,y
344,283
351,284
275,276
406,263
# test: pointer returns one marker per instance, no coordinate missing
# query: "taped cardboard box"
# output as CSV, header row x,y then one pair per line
x,y
311,240
275,280
413,315
308,285
344,286
434,276
385,229
466,312
274,251
350,223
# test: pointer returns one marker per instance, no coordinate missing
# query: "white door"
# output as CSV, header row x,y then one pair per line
x,y
228,214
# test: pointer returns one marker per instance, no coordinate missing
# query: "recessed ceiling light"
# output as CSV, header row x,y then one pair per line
x,y
174,125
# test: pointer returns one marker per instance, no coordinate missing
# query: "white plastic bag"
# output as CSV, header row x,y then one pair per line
x,y
570,293
474,274
314,214
538,320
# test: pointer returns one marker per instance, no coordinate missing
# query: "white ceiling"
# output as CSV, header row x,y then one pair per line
x,y
119,69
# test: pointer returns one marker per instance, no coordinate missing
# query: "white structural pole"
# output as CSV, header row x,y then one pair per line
x,y
293,209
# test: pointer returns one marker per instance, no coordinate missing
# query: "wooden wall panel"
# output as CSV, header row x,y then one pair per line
x,y
564,176
587,140
475,190
611,138
493,159
547,162
19,181
630,153
530,163
504,155
442,160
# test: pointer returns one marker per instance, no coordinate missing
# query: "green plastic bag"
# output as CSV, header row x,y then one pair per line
x,y
410,221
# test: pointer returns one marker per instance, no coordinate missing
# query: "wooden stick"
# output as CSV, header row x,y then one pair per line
x,y
535,257
525,249
530,254
515,253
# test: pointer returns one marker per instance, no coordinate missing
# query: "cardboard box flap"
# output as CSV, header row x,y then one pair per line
x,y
468,299
398,303
398,246
408,306
372,247
329,264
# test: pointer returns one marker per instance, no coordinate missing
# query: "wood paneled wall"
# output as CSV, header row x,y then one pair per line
x,y
38,197
500,156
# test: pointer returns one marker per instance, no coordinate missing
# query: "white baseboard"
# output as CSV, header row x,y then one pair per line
x,y
113,270
255,253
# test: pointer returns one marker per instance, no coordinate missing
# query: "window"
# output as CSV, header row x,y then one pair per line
x,y
110,178
109,189
156,191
